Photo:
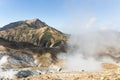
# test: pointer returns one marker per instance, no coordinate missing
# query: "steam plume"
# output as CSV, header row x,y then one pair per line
x,y
88,48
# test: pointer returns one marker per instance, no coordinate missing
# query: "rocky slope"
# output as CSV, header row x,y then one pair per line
x,y
30,43
33,31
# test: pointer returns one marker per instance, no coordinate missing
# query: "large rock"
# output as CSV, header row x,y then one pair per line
x,y
24,73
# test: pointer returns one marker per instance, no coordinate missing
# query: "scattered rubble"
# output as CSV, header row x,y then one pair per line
x,y
113,74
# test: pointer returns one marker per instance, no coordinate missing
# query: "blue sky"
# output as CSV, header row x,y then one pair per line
x,y
63,14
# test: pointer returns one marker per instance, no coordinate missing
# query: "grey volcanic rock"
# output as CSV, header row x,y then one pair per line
x,y
16,61
21,72
13,73
24,73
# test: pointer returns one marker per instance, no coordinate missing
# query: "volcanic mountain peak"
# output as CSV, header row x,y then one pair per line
x,y
33,23
33,31
36,23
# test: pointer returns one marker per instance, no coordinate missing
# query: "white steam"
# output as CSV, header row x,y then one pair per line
x,y
89,47
95,38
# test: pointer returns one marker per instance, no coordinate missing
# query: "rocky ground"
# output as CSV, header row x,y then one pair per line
x,y
109,72
113,74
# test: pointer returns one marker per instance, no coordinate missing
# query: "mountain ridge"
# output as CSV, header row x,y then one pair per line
x,y
35,23
32,31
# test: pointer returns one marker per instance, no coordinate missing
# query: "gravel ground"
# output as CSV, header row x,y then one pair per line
x,y
113,74
109,72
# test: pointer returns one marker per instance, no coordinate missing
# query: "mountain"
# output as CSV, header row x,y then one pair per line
x,y
30,43
35,23
33,31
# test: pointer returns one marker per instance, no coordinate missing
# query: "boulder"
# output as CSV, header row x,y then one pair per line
x,y
24,73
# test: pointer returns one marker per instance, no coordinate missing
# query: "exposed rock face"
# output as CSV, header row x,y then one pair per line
x,y
12,61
